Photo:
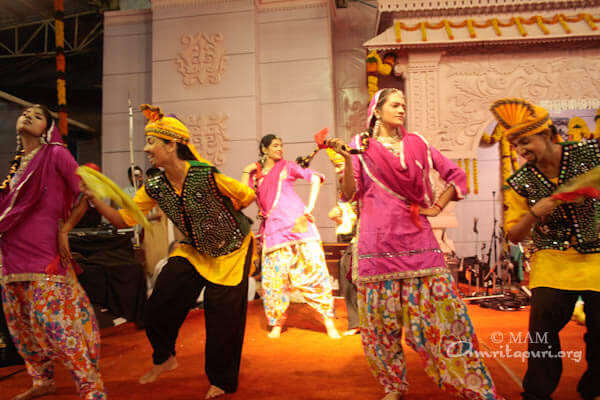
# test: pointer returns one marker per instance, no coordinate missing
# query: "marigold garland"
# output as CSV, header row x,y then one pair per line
x,y
468,175
519,22
475,177
61,85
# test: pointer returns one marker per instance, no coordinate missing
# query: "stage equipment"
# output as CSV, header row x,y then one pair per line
x,y
499,269
136,236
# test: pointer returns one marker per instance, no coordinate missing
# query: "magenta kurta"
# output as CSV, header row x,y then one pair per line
x,y
390,244
280,206
30,244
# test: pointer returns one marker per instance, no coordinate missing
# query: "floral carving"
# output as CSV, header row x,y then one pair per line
x,y
209,136
202,60
471,82
356,115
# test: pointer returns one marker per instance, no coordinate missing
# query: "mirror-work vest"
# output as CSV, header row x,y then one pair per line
x,y
202,213
571,224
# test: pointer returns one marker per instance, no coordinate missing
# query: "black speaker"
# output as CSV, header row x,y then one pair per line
x,y
8,352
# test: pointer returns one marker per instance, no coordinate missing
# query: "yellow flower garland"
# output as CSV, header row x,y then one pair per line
x,y
475,179
468,175
470,24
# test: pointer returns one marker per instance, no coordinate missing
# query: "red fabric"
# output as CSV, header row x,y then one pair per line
x,y
575,195
414,215
320,138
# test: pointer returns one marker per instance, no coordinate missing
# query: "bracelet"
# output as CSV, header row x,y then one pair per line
x,y
438,206
245,172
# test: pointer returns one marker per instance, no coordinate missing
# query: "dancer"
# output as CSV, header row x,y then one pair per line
x,y
566,238
292,255
217,254
49,316
403,283
344,215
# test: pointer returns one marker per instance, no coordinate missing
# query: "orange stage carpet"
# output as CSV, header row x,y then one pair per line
x,y
304,364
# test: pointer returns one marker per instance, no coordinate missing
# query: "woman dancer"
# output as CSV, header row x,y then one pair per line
x,y
217,253
292,255
403,283
47,312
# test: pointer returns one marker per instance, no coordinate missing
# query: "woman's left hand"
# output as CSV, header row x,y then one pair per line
x,y
429,211
64,250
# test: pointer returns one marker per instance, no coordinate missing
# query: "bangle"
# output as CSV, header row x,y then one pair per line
x,y
245,172
438,206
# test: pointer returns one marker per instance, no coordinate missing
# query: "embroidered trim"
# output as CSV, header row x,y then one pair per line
x,y
398,254
15,195
378,182
276,201
29,277
403,275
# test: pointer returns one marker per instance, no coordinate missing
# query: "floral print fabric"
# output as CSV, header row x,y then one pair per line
x,y
298,266
52,321
437,327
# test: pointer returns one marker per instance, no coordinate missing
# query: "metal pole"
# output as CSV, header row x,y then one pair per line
x,y
136,236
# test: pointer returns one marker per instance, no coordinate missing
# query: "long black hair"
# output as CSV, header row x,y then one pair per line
x,y
16,161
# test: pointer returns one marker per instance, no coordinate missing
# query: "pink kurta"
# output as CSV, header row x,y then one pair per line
x,y
280,216
390,245
31,245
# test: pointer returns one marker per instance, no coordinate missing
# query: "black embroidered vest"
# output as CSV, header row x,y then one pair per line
x,y
202,213
571,224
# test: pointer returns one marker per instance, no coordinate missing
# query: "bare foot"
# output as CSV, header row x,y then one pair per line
x,y
350,332
275,332
36,391
393,396
214,391
331,331
158,369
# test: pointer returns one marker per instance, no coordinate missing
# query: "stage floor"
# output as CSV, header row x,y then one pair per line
x,y
304,364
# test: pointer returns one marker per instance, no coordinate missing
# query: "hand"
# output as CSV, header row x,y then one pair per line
x,y
429,211
86,191
545,206
339,147
64,250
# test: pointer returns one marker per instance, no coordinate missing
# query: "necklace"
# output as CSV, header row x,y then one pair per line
x,y
27,158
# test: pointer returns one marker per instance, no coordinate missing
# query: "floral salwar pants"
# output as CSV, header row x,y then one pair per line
x,y
51,321
437,327
298,266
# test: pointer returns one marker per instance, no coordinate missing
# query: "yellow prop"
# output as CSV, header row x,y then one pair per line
x,y
104,188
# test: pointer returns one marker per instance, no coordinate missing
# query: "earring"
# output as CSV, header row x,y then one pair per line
x,y
376,127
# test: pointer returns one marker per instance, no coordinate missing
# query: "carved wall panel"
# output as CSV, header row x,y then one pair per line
x,y
356,115
202,60
422,92
454,115
209,135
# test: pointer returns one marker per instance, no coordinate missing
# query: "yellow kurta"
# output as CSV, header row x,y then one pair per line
x,y
225,270
567,270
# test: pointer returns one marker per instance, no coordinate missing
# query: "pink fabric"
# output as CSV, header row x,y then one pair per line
x,y
372,105
29,230
391,243
277,227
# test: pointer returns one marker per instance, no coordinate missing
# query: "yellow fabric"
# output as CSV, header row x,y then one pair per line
x,y
104,188
520,118
567,270
169,128
335,158
222,270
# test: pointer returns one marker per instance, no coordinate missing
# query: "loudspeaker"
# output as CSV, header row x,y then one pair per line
x,y
8,352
